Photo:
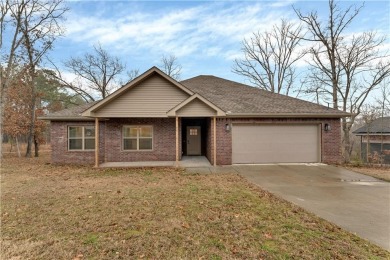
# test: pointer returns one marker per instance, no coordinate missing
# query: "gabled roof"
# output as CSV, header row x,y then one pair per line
x,y
378,126
218,111
129,85
227,98
240,100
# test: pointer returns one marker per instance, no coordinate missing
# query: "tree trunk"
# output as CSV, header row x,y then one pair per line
x,y
368,148
346,140
36,146
17,146
31,132
29,144
10,148
2,105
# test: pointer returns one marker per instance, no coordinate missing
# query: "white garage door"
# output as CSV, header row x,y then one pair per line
x,y
275,143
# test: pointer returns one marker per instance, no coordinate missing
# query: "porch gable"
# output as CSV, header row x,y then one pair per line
x,y
196,106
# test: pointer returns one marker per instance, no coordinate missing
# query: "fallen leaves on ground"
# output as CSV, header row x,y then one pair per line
x,y
78,212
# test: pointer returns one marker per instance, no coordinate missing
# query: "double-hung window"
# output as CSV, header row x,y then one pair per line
x,y
138,138
81,138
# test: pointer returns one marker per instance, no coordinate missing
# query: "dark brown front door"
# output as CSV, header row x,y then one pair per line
x,y
193,140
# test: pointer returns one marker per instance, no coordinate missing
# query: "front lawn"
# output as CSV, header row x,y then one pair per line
x,y
69,212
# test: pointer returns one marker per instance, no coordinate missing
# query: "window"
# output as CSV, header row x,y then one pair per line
x,y
81,138
138,138
193,131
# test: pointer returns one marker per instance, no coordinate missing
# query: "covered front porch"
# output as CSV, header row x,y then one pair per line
x,y
187,129
190,141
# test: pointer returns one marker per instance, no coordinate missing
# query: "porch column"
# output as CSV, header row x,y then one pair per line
x,y
215,140
177,141
96,142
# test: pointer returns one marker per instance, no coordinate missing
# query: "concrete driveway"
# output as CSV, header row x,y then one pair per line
x,y
353,201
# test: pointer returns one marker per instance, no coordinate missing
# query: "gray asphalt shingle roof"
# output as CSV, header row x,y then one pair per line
x,y
380,125
242,99
234,98
73,112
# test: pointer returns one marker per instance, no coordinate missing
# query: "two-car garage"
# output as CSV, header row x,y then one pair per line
x,y
270,143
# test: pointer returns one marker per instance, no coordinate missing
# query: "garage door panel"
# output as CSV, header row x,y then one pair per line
x,y
275,143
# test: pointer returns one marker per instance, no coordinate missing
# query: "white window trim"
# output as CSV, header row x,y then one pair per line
x,y
138,137
83,137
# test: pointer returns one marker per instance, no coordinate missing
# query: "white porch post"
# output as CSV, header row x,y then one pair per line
x,y
215,140
96,142
177,142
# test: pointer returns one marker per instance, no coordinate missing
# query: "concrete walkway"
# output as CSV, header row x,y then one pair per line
x,y
137,164
353,201
199,162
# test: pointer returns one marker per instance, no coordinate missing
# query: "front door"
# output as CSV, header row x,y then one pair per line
x,y
193,140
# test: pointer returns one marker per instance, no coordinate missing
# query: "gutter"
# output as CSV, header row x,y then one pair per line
x,y
61,118
371,134
228,115
280,115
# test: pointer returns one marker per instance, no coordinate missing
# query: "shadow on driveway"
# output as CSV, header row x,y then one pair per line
x,y
353,201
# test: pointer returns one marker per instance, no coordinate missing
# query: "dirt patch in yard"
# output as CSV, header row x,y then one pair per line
x,y
68,212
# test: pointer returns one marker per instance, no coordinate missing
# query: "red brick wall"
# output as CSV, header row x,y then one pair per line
x,y
331,140
164,140
59,143
224,142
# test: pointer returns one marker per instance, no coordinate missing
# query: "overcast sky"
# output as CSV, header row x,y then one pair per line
x,y
205,35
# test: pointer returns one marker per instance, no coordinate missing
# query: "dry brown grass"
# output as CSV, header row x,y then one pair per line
x,y
69,212
379,172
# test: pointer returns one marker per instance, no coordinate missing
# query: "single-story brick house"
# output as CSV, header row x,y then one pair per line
x,y
155,118
375,138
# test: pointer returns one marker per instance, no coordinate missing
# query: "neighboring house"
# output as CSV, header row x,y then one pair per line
x,y
377,135
155,118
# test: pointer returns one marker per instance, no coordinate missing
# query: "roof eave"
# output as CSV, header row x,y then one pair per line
x,y
286,115
370,133
64,118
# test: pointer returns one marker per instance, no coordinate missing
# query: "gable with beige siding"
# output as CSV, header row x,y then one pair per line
x,y
152,97
196,108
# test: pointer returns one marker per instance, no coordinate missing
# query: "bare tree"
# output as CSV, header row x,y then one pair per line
x,y
171,66
12,25
384,105
384,99
269,58
132,74
98,69
328,35
345,68
40,27
34,25
363,69
4,8
369,113
76,86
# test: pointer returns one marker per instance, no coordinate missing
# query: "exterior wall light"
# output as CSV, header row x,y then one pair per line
x,y
327,127
227,128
